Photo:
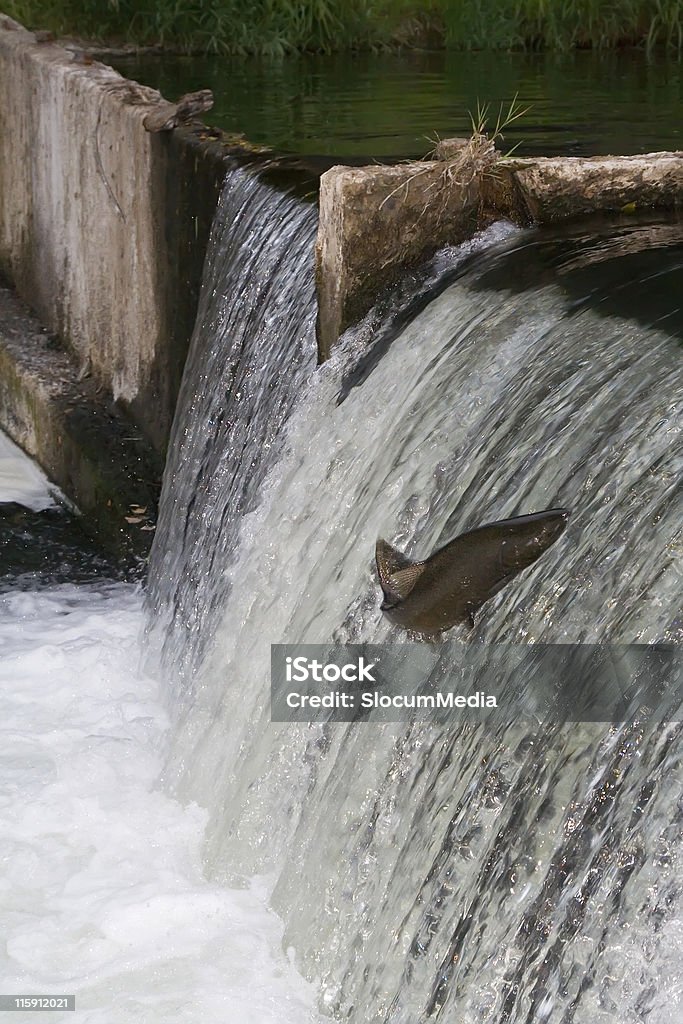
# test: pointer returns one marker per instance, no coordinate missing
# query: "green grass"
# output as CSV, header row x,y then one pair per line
x,y
275,27
562,24
219,26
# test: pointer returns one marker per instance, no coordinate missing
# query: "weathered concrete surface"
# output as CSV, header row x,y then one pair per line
x,y
83,443
103,226
77,228
376,222
549,189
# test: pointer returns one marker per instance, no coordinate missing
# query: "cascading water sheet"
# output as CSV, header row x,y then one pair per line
x,y
427,873
253,346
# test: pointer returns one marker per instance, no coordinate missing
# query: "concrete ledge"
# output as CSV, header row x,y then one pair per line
x,y
103,233
83,443
376,222
103,226
550,189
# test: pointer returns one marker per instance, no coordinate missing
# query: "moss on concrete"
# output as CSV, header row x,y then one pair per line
x,y
84,444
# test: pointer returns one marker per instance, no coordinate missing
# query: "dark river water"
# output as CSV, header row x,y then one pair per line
x,y
391,105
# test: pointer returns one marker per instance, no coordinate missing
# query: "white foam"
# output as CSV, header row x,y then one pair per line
x,y
102,892
21,479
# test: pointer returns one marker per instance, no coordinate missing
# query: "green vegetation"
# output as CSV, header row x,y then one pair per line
x,y
562,24
285,26
227,26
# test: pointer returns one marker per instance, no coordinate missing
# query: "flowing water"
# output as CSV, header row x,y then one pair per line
x,y
252,350
21,481
422,872
102,893
495,874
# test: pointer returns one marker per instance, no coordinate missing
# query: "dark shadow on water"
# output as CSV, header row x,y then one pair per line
x,y
623,266
614,266
39,549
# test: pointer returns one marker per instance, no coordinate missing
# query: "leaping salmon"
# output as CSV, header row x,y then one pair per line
x,y
447,588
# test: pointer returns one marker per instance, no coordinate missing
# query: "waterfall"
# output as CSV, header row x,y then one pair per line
x,y
253,347
428,872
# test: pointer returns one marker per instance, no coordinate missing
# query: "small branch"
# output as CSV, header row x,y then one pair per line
x,y
100,168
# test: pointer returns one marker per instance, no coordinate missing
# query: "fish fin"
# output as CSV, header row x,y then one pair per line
x,y
397,574
389,560
403,581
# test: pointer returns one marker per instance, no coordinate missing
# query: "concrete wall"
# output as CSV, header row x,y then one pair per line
x,y
103,226
103,233
377,222
89,448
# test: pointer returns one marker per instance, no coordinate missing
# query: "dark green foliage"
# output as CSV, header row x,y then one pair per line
x,y
562,24
274,27
218,26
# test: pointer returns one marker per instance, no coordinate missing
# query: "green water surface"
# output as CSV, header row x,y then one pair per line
x,y
388,105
